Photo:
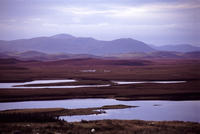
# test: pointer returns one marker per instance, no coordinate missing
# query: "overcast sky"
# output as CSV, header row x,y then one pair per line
x,y
156,22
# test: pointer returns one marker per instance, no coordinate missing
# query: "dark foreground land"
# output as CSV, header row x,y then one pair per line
x,y
101,127
107,70
45,121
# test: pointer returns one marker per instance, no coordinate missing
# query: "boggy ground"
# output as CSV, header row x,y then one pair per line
x,y
106,70
101,127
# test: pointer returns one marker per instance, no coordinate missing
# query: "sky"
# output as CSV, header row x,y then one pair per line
x,y
157,22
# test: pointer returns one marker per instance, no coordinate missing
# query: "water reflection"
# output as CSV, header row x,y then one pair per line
x,y
21,85
141,82
165,110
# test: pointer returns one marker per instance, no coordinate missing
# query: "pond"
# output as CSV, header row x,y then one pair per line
x,y
21,84
147,110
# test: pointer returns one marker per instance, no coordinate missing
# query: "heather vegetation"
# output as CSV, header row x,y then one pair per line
x,y
101,127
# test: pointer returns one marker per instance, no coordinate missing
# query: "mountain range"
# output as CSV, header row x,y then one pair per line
x,y
64,43
65,46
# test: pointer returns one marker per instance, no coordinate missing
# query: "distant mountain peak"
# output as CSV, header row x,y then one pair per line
x,y
62,36
75,45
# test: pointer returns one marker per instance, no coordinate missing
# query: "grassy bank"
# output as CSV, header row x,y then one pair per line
x,y
150,91
52,114
102,127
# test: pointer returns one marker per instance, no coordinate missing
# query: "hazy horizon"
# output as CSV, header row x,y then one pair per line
x,y
154,22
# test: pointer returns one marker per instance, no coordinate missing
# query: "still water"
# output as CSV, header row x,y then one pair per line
x,y
21,84
141,82
147,110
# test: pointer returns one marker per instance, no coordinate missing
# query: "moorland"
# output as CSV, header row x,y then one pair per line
x,y
106,71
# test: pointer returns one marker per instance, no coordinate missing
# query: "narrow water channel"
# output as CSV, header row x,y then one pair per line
x,y
23,84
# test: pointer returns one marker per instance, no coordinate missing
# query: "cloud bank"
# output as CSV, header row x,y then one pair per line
x,y
153,21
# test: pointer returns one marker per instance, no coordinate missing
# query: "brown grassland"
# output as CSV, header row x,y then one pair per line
x,y
40,121
106,71
102,127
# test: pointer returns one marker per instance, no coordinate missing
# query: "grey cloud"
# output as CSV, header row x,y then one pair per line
x,y
154,21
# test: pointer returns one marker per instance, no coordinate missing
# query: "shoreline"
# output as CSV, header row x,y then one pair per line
x,y
144,91
40,121
65,112
169,97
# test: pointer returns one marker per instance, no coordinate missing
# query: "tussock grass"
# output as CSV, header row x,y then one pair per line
x,y
103,127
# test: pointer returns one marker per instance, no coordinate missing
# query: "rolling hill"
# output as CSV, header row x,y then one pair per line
x,y
178,48
41,56
158,55
64,43
65,46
